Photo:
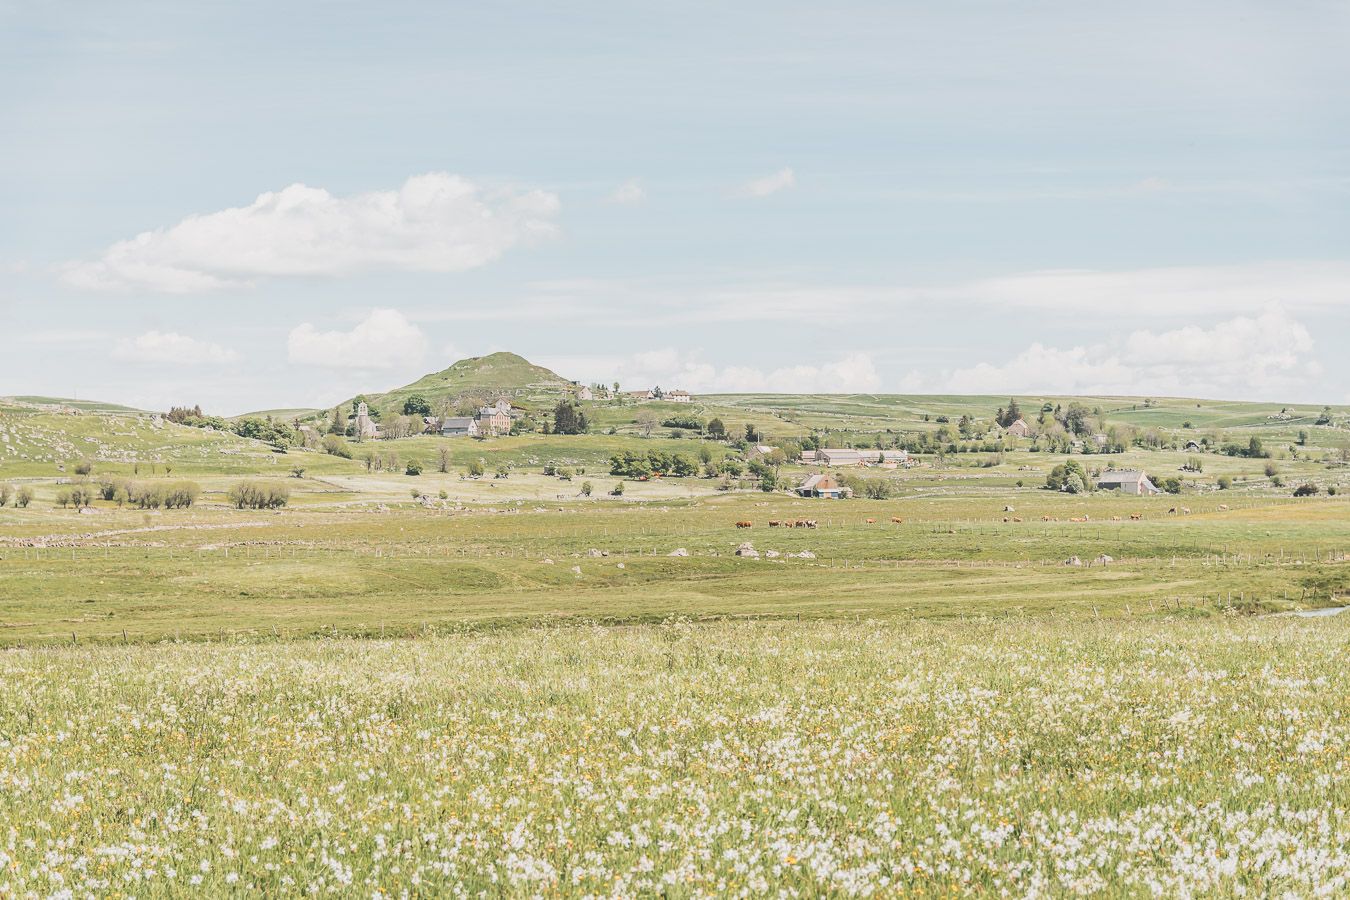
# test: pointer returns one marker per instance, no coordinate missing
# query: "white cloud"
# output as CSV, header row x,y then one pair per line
x,y
781,180
385,339
432,223
170,347
630,193
1263,357
853,373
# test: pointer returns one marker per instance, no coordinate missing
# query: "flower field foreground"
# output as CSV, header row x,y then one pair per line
x,y
1150,757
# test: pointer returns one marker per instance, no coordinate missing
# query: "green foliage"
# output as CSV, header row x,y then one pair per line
x,y
1307,489
634,464
685,421
569,418
334,445
413,468
416,405
1225,482
1171,485
586,488
1058,479
475,468
250,494
717,429
23,496
6,494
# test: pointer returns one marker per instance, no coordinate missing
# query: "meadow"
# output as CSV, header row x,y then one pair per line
x,y
1018,758
440,684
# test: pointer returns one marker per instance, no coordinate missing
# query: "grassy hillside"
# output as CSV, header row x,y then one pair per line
x,y
95,406
39,443
481,378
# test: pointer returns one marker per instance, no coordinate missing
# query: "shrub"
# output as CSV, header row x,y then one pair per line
x,y
63,497
617,490
413,468
258,495
6,492
1271,470
475,468
23,496
84,467
1171,485
586,488
298,471
565,474
336,446
443,495
1277,481
1308,489
1225,482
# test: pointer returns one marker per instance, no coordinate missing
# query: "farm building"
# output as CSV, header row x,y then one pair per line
x,y
1020,428
495,419
1193,446
824,486
454,426
1127,481
585,393
678,396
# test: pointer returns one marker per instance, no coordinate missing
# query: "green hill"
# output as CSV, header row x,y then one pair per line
x,y
94,406
479,378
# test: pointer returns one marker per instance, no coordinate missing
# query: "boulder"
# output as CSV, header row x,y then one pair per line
x,y
1073,561
548,562
747,550
772,554
680,551
1104,560
576,570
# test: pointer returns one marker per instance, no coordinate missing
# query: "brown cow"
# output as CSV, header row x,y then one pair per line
x,y
1135,517
896,520
1017,518
871,521
744,524
774,523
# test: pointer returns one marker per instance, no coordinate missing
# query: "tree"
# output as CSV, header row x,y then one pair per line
x,y
413,468
647,421
1225,482
1307,489
23,496
569,419
750,434
416,405
443,459
617,490
586,489
1059,475
475,468
717,429
1254,448
6,492
298,471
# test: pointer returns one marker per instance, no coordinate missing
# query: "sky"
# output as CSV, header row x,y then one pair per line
x,y
257,205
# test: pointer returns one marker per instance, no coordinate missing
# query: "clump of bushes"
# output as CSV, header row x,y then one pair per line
x,y
1307,489
259,495
149,494
336,446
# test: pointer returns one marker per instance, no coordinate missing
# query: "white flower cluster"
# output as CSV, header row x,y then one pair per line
x,y
859,759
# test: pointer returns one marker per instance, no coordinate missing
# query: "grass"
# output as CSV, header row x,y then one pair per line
x,y
544,701
826,758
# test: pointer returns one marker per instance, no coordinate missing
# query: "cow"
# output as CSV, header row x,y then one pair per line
x,y
774,523
1136,517
1185,510
896,520
1223,506
1017,518
1172,511
1078,519
871,521
745,524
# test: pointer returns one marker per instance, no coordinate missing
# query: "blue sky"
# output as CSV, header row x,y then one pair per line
x,y
254,205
